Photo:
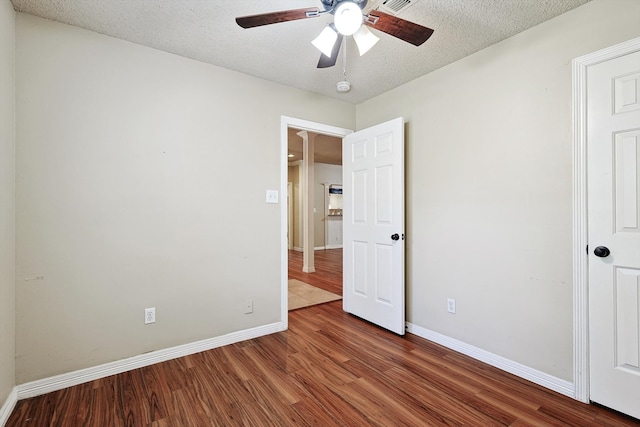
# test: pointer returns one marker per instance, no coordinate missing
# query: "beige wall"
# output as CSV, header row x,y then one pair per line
x,y
124,201
489,187
7,200
318,216
294,179
324,173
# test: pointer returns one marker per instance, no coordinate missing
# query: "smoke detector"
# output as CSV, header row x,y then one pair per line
x,y
343,86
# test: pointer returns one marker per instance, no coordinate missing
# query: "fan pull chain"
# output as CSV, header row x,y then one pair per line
x,y
344,86
344,59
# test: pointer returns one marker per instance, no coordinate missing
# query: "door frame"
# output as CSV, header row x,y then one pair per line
x,y
285,123
580,230
290,209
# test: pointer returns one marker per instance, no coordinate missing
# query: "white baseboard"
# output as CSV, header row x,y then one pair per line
x,y
59,382
7,407
545,380
319,248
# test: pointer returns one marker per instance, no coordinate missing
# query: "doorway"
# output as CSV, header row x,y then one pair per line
x,y
315,128
327,190
315,269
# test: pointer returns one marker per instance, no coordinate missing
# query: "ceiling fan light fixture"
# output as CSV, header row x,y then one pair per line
x,y
365,39
325,41
348,18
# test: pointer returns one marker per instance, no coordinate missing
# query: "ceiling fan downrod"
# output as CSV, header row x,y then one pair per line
x,y
331,5
344,85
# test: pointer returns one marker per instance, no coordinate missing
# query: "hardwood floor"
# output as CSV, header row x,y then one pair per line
x,y
328,369
328,274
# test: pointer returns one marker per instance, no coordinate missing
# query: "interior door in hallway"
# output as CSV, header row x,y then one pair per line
x,y
613,155
373,224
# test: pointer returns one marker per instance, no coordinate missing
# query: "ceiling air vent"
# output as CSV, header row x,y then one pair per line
x,y
392,7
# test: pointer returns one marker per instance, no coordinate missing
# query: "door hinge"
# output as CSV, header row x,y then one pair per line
x,y
587,250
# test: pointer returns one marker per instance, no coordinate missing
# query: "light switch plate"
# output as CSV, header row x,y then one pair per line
x,y
272,196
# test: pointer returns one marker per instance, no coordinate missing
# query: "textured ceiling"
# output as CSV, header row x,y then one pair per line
x,y
205,30
327,149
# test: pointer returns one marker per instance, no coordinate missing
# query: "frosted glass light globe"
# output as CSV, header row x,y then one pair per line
x,y
348,18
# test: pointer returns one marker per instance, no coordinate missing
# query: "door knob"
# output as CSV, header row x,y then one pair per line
x,y
395,236
601,251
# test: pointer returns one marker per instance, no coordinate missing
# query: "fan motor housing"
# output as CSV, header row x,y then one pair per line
x,y
332,4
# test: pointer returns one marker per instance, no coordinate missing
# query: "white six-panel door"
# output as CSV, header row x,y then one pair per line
x,y
373,221
613,155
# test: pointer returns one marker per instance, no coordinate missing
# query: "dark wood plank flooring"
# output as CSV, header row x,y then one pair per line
x,y
328,274
328,369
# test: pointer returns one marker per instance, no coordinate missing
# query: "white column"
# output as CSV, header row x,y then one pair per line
x,y
308,238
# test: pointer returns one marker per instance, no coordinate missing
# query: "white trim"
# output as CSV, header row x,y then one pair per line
x,y
580,231
290,210
299,203
59,382
318,248
545,380
7,407
285,124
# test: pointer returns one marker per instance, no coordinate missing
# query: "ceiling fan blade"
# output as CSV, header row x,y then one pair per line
x,y
251,21
398,27
329,61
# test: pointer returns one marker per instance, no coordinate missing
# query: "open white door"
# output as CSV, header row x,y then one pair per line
x,y
373,224
613,154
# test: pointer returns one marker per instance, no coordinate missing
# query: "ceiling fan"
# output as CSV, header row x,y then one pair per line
x,y
348,20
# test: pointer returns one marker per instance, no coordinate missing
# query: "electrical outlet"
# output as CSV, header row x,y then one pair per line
x,y
451,305
248,306
149,315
